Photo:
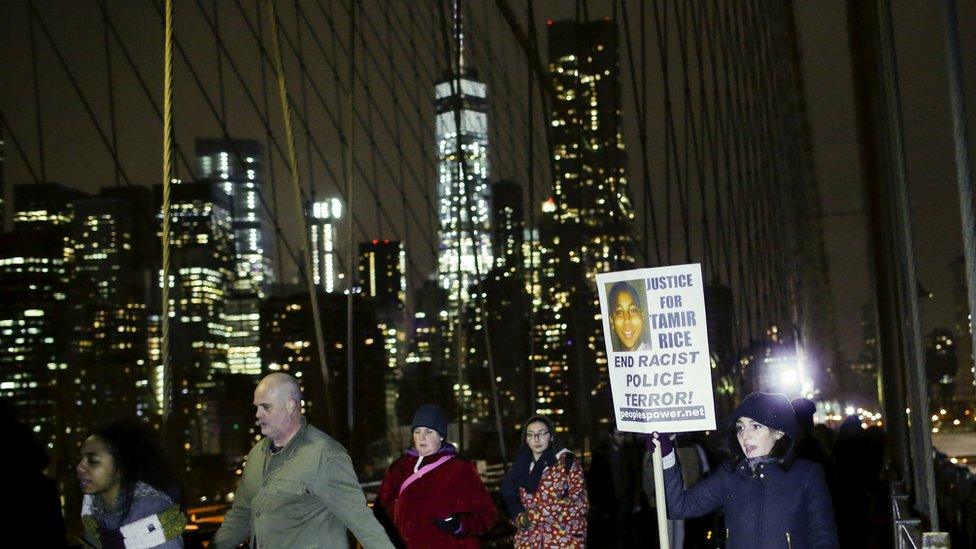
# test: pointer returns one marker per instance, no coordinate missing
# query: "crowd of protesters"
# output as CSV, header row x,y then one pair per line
x,y
768,476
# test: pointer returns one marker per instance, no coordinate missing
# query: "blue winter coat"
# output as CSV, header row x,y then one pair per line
x,y
769,508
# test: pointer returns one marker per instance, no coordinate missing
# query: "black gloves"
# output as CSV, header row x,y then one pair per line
x,y
452,524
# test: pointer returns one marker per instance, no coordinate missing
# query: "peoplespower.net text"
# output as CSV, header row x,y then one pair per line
x,y
644,415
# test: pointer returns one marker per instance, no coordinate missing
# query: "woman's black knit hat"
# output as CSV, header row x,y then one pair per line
x,y
772,410
431,416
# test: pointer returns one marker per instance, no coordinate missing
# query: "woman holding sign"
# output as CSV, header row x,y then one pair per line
x,y
544,490
769,497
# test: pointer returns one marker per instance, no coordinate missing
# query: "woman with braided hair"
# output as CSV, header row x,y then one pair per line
x,y
123,477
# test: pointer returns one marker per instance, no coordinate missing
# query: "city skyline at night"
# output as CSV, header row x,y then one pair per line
x,y
451,178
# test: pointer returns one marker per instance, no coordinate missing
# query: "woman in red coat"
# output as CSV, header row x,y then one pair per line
x,y
435,498
544,491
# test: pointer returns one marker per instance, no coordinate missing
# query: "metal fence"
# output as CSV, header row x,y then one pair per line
x,y
906,529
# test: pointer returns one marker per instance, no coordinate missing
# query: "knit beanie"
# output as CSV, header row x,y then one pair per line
x,y
430,416
772,410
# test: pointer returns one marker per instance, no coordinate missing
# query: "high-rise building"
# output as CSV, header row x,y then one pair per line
x,y
201,275
288,345
237,166
504,327
382,277
34,335
593,209
426,378
242,314
463,201
323,238
45,207
585,227
40,344
464,217
104,249
112,262
507,225
382,271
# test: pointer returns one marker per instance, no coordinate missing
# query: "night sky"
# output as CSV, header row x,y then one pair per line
x,y
76,156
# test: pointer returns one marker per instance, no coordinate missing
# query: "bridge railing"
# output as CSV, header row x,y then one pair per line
x,y
906,528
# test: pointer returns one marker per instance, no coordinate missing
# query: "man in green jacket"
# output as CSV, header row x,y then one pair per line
x,y
298,488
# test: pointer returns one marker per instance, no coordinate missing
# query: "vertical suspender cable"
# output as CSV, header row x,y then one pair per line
x,y
302,211
111,94
350,180
267,145
303,77
533,274
218,42
37,92
456,316
167,179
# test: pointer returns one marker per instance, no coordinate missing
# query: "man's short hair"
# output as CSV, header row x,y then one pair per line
x,y
287,384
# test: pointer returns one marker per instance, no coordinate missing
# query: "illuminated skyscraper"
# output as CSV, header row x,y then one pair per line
x,y
34,335
237,166
382,271
592,202
463,205
111,259
323,237
202,257
382,277
45,207
104,248
39,349
586,227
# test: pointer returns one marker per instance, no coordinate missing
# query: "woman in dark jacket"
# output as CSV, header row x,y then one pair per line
x,y
770,499
435,498
544,490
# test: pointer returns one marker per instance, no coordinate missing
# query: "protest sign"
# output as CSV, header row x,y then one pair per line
x,y
657,349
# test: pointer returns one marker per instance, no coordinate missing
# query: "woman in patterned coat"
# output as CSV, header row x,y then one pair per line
x,y
544,491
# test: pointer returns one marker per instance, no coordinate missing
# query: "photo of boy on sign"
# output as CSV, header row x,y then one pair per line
x,y
627,314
